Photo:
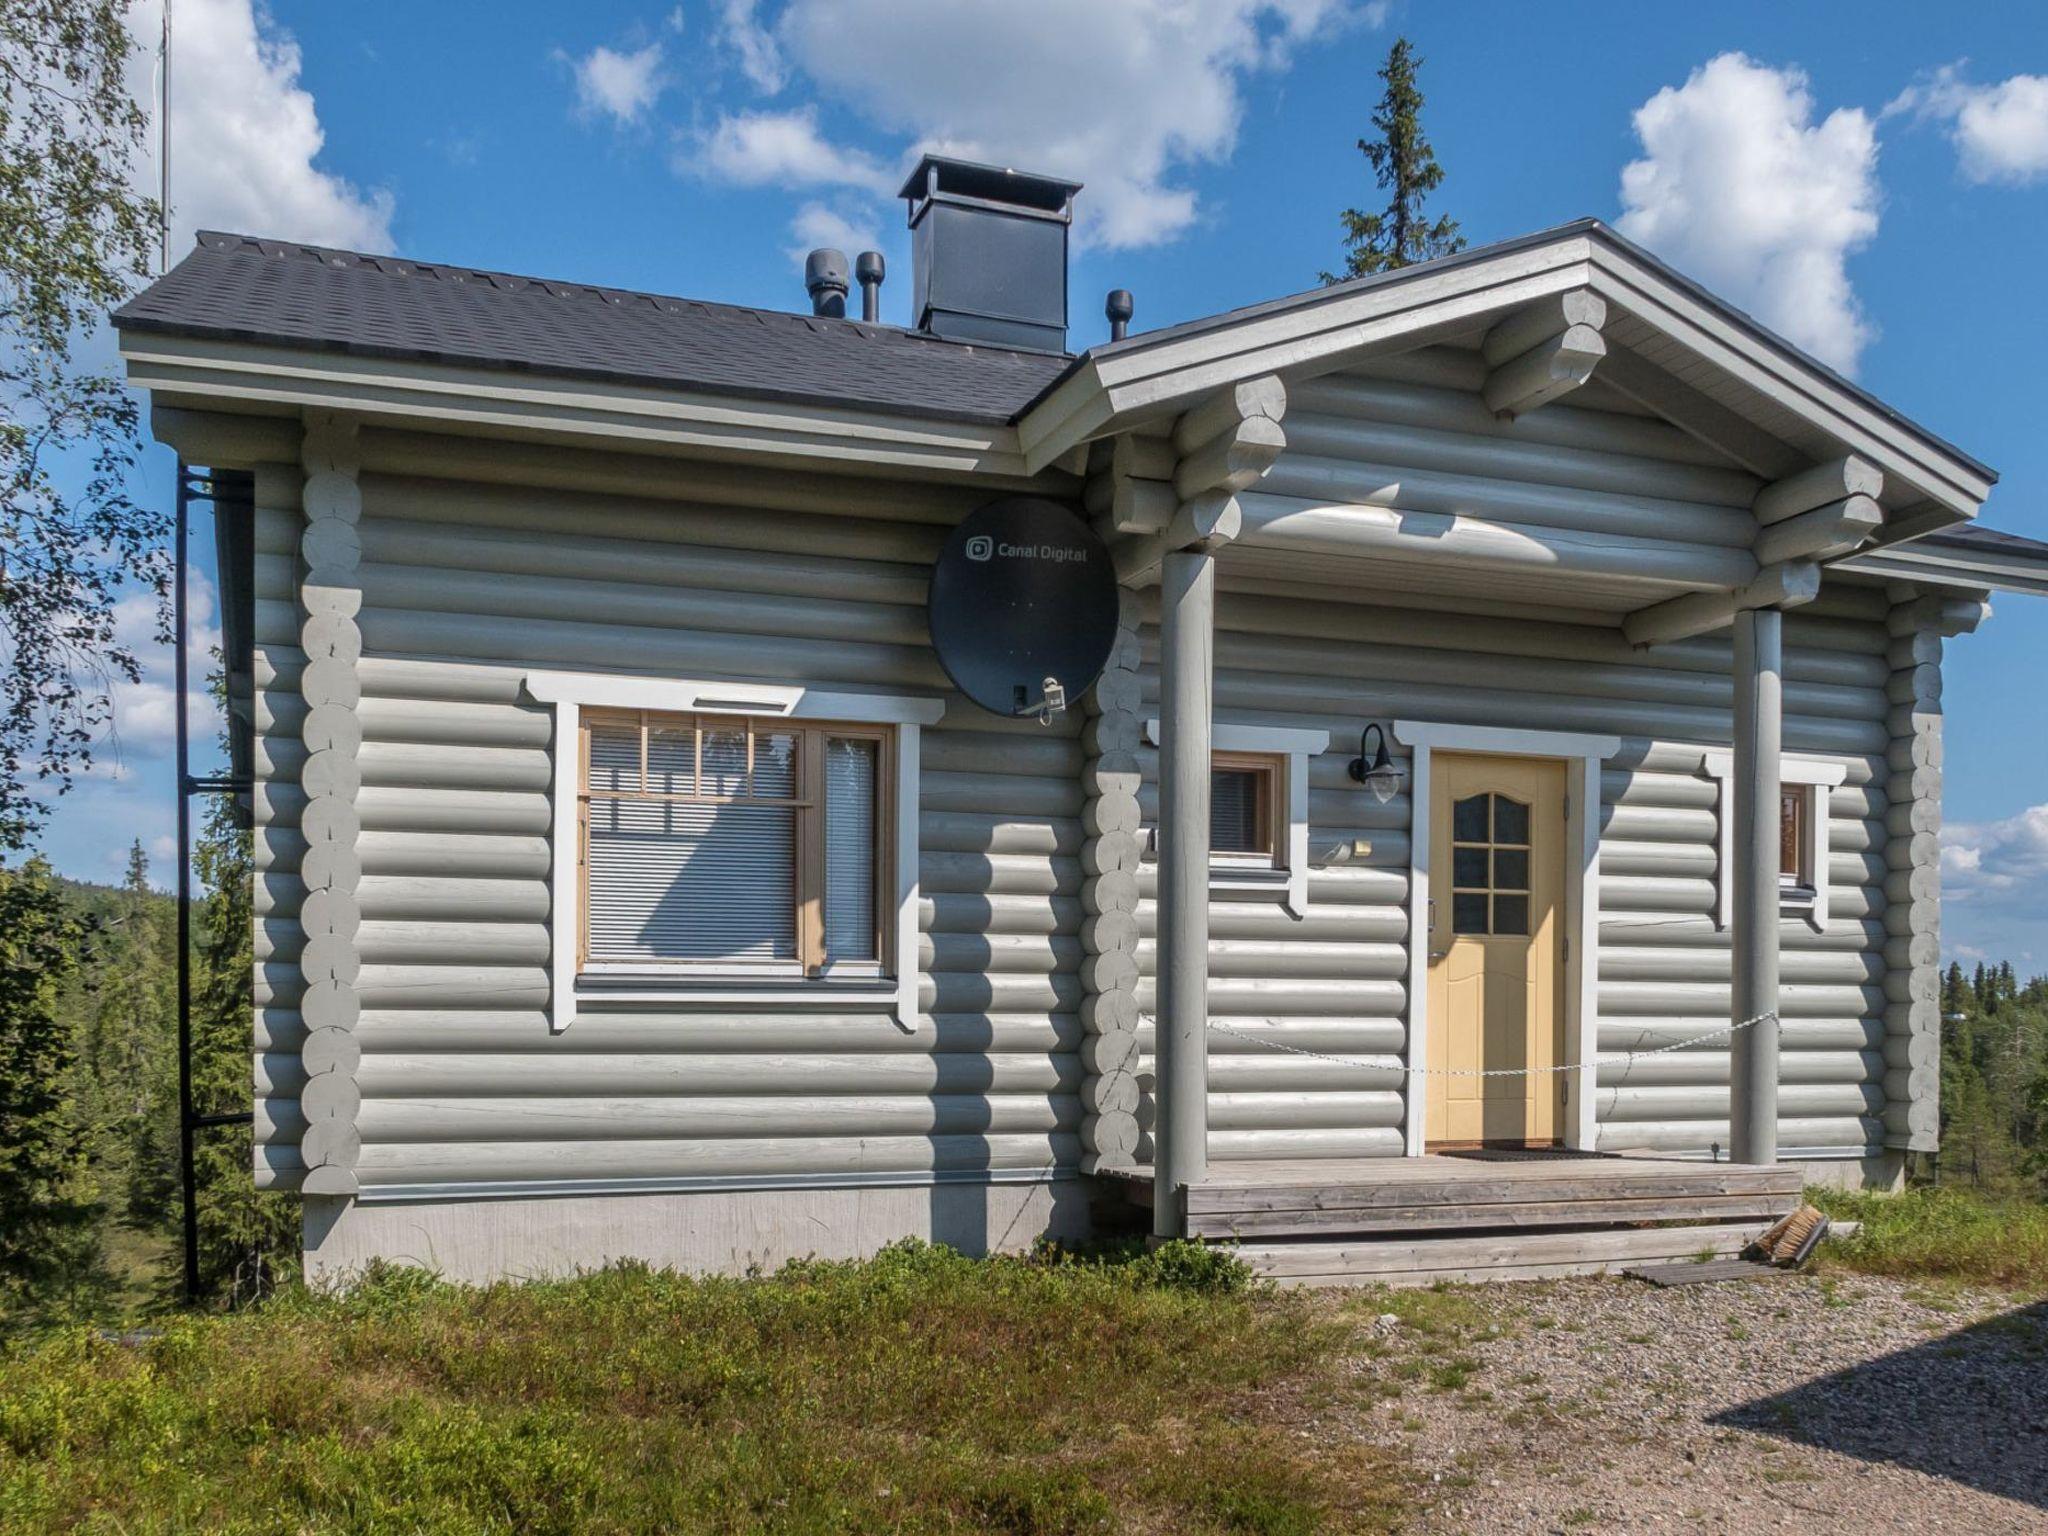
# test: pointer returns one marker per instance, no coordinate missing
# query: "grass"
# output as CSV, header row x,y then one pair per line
x,y
920,1391
1947,1235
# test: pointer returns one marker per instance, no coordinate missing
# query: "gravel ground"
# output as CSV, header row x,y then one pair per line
x,y
1848,1404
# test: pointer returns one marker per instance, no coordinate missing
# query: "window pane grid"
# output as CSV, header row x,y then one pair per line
x,y
1490,866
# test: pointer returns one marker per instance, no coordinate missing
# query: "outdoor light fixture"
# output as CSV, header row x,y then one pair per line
x,y
1373,768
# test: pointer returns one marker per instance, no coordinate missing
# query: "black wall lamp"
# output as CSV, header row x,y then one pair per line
x,y
1374,767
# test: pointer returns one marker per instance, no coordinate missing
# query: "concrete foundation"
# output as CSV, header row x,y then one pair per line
x,y
1886,1172
711,1232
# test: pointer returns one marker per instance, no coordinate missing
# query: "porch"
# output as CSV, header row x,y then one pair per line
x,y
1415,1220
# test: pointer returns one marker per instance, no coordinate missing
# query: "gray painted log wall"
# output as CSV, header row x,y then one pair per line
x,y
464,587
1023,1066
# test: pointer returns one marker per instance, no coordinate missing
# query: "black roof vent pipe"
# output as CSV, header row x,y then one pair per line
x,y
869,268
825,281
989,253
1119,307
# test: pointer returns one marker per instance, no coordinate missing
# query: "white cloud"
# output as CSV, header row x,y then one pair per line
x,y
1994,886
760,60
245,133
621,86
1741,188
817,224
1125,95
2000,131
784,149
2005,861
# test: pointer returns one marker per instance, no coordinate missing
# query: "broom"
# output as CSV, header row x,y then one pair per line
x,y
1790,1241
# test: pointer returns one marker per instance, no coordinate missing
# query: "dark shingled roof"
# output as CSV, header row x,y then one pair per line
x,y
1986,541
236,287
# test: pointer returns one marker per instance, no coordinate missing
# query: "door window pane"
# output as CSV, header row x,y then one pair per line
x,y
1511,869
1468,820
1510,820
1468,912
1511,915
1468,868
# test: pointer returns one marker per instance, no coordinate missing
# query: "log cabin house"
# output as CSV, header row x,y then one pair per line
x,y
634,882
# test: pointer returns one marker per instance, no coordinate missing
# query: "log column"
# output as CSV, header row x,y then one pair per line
x,y
1187,617
1753,1080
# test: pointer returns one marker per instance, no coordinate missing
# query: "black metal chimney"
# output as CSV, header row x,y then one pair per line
x,y
989,253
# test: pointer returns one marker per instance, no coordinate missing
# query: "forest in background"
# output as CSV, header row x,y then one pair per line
x,y
89,1199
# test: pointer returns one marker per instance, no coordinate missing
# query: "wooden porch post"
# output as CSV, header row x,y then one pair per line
x,y
1753,1076
1180,1134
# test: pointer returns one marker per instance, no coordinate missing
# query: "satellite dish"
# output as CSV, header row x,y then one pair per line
x,y
1023,607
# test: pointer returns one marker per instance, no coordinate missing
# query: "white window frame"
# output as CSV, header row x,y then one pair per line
x,y
1816,778
1288,873
569,693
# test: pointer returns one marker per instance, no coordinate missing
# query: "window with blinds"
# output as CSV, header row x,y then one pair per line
x,y
718,843
1244,809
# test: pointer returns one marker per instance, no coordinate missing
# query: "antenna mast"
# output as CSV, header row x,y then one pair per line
x,y
163,153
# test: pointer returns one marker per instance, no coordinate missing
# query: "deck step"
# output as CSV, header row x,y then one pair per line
x,y
1626,1210
1493,1256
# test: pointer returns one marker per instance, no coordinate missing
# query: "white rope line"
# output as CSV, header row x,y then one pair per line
x,y
1414,1071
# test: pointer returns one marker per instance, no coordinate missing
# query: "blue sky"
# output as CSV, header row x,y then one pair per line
x,y
1871,178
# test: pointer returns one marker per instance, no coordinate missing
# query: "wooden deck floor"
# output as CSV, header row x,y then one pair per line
x,y
1433,1195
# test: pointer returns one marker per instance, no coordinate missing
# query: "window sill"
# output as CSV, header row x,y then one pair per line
x,y
878,992
1243,878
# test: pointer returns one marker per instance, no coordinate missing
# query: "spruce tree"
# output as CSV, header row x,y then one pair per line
x,y
48,1251
1404,164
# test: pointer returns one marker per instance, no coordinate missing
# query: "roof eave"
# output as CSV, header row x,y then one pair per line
x,y
242,375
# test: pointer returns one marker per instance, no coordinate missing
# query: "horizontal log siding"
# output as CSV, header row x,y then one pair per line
x,y
465,586
277,983
1334,981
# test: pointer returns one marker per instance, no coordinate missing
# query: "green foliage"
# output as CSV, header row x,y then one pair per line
x,y
1994,1079
46,1209
248,1238
1950,1234
918,1391
1405,167
74,239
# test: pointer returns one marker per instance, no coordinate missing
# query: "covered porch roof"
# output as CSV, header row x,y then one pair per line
x,y
1659,340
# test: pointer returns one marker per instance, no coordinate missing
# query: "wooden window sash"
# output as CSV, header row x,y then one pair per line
x,y
1795,829
808,803
1268,814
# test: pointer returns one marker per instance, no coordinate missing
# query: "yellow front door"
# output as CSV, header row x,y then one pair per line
x,y
1496,938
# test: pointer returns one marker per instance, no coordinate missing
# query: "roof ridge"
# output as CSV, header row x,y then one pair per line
x,y
456,273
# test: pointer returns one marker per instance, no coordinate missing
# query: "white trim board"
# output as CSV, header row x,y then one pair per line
x,y
1297,747
1585,752
1817,776
570,692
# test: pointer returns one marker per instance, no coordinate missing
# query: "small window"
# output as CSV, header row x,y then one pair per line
x,y
724,844
1795,807
1489,866
1244,806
